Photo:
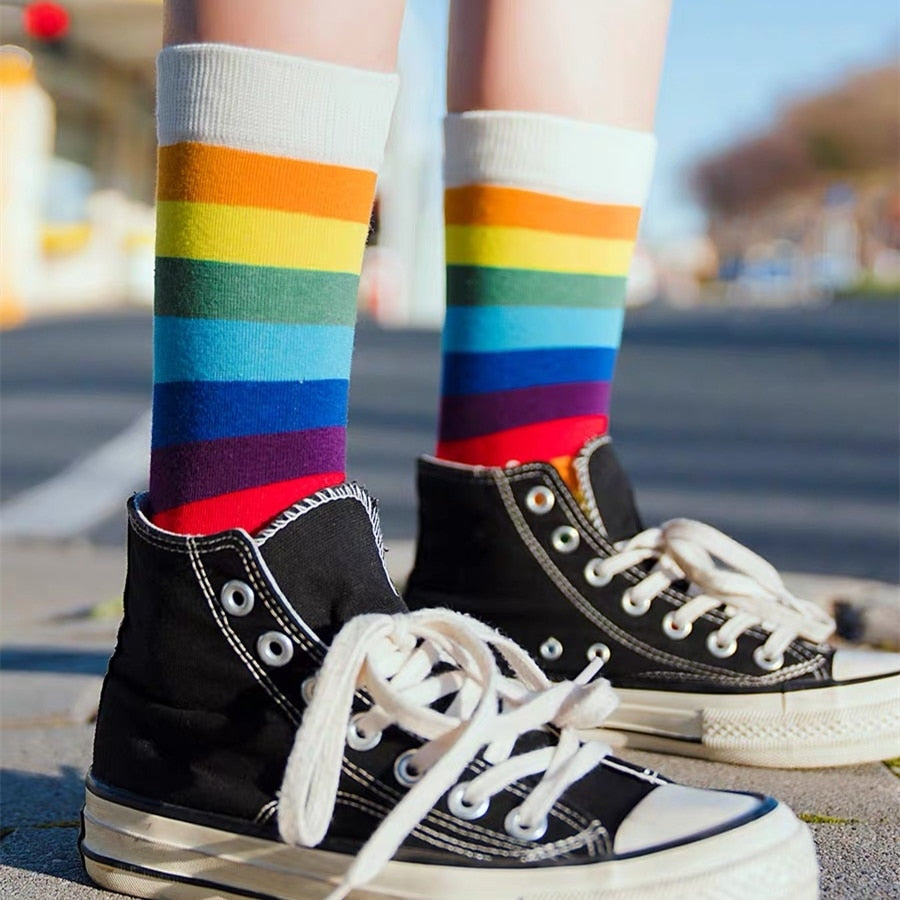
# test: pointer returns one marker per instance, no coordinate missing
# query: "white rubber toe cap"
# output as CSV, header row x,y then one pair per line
x,y
674,812
853,663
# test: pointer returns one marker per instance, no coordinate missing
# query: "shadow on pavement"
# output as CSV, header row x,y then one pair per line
x,y
41,819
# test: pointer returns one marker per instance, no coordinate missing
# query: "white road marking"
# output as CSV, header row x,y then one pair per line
x,y
85,493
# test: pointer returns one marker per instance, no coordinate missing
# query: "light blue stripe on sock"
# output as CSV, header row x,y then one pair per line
x,y
224,350
489,329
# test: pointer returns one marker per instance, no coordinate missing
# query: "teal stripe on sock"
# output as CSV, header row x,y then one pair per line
x,y
218,350
489,329
204,289
490,286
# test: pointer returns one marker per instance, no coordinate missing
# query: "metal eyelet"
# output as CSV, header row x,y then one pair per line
x,y
456,803
764,661
275,649
551,649
718,649
565,539
308,689
540,500
404,769
634,607
594,574
515,829
236,598
357,739
673,629
598,650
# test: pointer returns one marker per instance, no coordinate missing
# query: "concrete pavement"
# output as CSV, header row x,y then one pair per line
x,y
60,616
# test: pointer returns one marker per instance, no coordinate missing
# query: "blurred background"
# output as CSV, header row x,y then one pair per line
x,y
758,380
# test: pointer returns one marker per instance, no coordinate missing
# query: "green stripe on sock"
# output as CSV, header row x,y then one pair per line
x,y
201,289
488,286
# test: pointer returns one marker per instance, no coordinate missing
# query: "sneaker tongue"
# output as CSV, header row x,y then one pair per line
x,y
326,555
606,491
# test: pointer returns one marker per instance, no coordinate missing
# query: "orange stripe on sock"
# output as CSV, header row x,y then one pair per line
x,y
480,204
202,173
251,509
530,443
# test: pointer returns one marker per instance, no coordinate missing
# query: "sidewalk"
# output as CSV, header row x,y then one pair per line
x,y
59,623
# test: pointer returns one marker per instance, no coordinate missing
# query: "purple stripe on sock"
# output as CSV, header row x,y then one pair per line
x,y
188,472
479,414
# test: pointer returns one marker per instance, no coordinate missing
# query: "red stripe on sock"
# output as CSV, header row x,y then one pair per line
x,y
540,442
251,509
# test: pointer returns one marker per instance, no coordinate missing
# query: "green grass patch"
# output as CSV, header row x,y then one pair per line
x,y
109,609
869,288
819,819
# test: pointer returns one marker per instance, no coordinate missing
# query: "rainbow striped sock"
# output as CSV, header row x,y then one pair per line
x,y
266,177
541,219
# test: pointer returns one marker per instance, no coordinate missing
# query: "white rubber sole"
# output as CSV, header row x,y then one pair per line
x,y
833,726
144,855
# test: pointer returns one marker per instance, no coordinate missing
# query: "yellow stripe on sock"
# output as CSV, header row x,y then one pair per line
x,y
565,465
258,237
526,248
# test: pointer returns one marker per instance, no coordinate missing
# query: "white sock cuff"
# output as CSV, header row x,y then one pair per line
x,y
550,154
274,103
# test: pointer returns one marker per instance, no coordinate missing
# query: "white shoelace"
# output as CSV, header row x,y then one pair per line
x,y
392,658
748,587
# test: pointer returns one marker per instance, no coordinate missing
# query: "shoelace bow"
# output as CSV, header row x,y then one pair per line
x,y
392,658
749,588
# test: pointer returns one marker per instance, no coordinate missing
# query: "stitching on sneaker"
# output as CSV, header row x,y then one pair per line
x,y
249,661
765,680
259,581
487,476
440,838
584,480
798,648
424,834
571,817
590,612
266,811
349,490
528,853
600,543
491,839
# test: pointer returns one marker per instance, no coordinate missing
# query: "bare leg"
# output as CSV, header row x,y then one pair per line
x,y
361,33
582,59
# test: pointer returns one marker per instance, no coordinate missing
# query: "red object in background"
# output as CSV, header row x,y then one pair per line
x,y
45,21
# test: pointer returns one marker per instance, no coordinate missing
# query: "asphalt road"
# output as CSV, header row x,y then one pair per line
x,y
779,426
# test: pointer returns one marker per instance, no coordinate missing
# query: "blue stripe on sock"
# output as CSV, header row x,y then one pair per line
x,y
489,329
192,411
483,373
225,350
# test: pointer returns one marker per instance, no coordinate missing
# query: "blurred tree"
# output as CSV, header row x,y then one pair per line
x,y
849,131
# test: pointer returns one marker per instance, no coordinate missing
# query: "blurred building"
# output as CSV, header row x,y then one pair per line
x,y
100,75
94,188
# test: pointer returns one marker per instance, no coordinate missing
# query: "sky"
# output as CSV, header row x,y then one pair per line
x,y
730,66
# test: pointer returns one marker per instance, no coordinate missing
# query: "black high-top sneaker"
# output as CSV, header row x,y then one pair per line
x,y
710,654
274,724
